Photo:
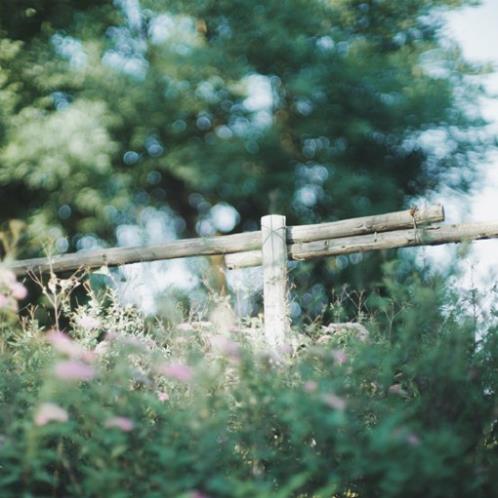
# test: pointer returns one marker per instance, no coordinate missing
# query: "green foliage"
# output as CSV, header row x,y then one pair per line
x,y
144,411
317,110
107,109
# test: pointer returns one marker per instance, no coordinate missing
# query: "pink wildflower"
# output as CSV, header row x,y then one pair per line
x,y
88,322
63,344
334,401
198,494
177,371
122,423
74,370
284,349
162,396
18,290
50,412
226,346
111,335
412,439
310,386
340,357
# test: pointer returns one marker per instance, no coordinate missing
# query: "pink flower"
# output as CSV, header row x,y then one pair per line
x,y
283,350
334,401
122,423
63,344
412,439
111,335
340,357
198,494
226,346
18,291
88,322
50,412
74,370
161,396
176,371
310,386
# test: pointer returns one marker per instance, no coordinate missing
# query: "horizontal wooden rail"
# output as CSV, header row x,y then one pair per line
x,y
125,255
431,235
398,220
229,244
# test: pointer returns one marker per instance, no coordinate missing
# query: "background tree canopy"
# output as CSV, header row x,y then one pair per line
x,y
316,109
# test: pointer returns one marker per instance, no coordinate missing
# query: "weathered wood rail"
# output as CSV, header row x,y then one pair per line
x,y
426,236
275,244
228,244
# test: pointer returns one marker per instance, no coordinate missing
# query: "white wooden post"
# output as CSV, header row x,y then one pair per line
x,y
274,251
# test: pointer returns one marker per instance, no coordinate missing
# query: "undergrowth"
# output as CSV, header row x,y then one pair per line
x,y
120,405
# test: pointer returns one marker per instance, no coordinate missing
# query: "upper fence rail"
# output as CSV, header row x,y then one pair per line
x,y
248,244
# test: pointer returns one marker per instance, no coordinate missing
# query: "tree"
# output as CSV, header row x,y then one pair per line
x,y
108,109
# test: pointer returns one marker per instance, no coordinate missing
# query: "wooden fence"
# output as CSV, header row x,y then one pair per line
x,y
275,244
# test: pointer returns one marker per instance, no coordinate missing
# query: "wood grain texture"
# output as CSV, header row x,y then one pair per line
x,y
431,235
228,244
274,257
410,218
125,255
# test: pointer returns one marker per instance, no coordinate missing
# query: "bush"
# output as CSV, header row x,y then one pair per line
x,y
126,409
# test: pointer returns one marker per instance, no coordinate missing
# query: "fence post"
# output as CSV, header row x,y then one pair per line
x,y
274,251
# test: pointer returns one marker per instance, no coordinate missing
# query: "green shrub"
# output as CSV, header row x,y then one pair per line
x,y
130,410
